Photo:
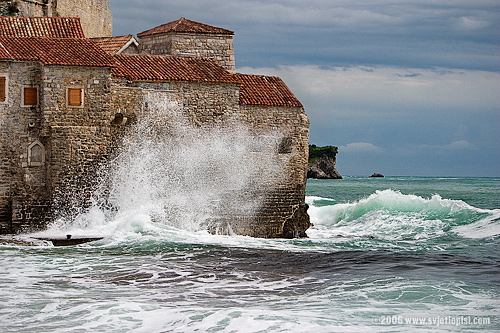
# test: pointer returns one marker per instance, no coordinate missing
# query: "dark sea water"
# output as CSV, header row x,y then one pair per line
x,y
385,255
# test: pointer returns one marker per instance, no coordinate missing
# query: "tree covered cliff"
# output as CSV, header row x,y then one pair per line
x,y
323,162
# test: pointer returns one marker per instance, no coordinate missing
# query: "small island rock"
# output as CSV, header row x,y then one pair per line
x,y
377,175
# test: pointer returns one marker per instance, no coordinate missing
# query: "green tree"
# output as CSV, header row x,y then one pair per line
x,y
316,152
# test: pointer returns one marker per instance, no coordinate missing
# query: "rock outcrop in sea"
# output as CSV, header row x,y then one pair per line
x,y
377,175
324,168
323,163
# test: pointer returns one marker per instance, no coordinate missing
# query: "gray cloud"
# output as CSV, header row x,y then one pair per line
x,y
360,147
419,78
427,34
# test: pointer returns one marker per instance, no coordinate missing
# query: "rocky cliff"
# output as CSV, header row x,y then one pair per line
x,y
323,163
324,168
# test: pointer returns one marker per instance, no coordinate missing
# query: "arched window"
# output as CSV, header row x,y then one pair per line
x,y
36,154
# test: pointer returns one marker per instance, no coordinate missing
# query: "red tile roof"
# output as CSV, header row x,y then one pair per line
x,y
187,26
115,44
57,27
265,90
4,54
169,68
54,51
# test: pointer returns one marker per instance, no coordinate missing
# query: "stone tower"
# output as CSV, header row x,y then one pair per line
x,y
95,15
189,38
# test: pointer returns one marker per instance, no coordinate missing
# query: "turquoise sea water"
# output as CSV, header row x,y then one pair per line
x,y
385,255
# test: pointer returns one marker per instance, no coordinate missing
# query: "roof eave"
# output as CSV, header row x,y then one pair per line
x,y
145,34
124,47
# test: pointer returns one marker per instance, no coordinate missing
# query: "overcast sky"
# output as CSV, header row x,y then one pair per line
x,y
401,87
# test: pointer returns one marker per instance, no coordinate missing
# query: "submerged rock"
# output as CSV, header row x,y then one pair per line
x,y
68,241
21,240
298,223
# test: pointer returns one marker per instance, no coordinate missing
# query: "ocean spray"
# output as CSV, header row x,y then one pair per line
x,y
170,171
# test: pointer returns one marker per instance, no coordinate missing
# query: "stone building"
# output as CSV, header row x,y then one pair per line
x,y
65,102
95,16
185,37
54,123
209,94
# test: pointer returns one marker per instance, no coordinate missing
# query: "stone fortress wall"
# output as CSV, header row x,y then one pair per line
x,y
48,149
49,152
283,212
95,16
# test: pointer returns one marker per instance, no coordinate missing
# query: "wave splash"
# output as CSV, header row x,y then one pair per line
x,y
391,215
171,172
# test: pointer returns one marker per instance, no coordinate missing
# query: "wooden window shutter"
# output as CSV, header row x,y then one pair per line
x,y
74,96
30,96
2,89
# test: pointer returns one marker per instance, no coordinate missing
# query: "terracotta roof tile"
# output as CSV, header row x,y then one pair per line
x,y
25,26
115,44
265,90
4,54
170,68
187,26
55,51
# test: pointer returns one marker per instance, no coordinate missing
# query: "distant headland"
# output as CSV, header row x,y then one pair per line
x,y
322,162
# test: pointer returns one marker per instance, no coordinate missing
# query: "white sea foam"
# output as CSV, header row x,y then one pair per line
x,y
172,172
149,276
310,200
389,214
487,227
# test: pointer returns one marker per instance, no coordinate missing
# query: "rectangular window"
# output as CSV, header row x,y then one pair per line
x,y
3,88
30,96
75,97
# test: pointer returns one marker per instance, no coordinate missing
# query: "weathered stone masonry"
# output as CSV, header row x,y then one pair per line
x,y
80,137
95,15
189,38
87,99
72,139
284,212
50,142
20,180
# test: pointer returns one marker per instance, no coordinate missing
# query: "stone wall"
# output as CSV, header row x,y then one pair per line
x,y
284,212
20,180
80,137
208,103
131,49
49,149
75,141
202,102
95,16
27,7
214,46
130,101
283,132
